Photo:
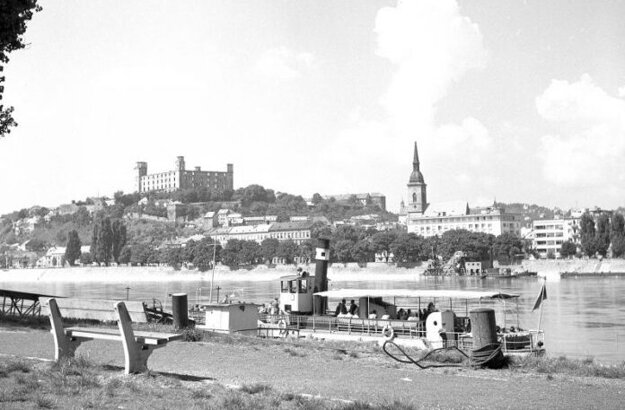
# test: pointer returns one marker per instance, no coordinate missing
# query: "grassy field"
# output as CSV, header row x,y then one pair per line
x,y
80,383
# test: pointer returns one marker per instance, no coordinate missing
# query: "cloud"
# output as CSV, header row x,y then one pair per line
x,y
432,46
284,64
589,144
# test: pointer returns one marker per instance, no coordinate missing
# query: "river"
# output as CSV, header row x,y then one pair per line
x,y
582,317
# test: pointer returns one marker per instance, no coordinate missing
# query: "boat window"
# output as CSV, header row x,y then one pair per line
x,y
292,286
303,286
284,287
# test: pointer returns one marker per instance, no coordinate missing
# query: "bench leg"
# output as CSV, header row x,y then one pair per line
x,y
137,356
65,347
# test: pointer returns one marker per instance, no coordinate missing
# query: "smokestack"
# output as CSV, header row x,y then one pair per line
x,y
322,258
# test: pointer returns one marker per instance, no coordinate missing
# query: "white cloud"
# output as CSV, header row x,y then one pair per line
x,y
589,146
284,64
432,45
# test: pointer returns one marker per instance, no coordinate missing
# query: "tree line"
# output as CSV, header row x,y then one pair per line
x,y
598,236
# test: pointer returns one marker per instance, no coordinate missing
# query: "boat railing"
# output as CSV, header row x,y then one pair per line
x,y
350,325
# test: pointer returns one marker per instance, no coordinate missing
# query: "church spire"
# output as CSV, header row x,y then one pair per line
x,y
415,160
416,177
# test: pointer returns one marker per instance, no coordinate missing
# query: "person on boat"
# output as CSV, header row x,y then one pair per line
x,y
341,309
353,308
373,315
275,306
400,314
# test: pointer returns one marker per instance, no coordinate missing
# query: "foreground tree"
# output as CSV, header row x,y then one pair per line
x,y
14,14
72,251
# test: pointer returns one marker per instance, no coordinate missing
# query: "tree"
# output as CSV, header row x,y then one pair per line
x,y
617,233
587,227
125,255
506,246
381,243
287,250
250,253
118,239
139,254
72,251
363,252
229,255
407,248
86,259
14,14
342,251
602,237
204,252
317,199
568,249
269,248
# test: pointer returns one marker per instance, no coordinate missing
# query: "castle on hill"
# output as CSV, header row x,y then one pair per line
x,y
181,178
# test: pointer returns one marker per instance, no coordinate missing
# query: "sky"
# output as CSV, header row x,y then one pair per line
x,y
518,101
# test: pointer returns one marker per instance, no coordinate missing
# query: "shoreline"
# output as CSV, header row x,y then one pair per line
x,y
552,270
155,274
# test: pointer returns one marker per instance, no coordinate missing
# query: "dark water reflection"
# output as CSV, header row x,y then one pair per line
x,y
582,316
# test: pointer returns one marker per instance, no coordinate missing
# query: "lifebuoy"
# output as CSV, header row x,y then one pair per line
x,y
388,332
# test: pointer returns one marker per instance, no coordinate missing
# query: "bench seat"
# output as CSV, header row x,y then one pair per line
x,y
147,338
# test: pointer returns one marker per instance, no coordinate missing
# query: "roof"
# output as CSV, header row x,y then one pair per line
x,y
412,293
448,208
290,226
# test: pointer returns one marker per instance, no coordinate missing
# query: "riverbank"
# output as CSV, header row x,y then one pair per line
x,y
551,269
354,377
336,272
562,268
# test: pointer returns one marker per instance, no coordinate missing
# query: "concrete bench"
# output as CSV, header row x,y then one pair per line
x,y
138,346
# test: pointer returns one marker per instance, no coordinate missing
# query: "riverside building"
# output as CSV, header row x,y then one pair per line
x,y
430,219
181,178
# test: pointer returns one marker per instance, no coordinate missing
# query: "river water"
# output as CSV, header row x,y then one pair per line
x,y
582,317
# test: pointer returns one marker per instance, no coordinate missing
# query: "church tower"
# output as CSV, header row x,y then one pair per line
x,y
417,192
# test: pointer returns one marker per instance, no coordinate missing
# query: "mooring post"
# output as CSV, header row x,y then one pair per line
x,y
180,310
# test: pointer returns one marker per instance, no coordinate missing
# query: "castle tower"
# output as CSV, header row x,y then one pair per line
x,y
417,189
141,170
180,164
230,177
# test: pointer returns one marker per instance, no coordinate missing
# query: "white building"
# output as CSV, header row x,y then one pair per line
x,y
430,219
548,235
298,232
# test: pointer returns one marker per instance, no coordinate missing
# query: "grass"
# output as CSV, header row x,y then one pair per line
x,y
562,365
79,383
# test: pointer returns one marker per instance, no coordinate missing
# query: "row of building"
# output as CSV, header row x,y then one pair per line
x,y
430,219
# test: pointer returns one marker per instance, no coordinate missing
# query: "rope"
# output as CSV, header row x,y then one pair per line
x,y
474,362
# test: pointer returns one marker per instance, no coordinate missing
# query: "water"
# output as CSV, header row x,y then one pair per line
x,y
582,317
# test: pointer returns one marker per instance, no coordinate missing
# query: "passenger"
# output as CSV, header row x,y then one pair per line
x,y
373,315
275,306
353,308
401,314
341,309
409,313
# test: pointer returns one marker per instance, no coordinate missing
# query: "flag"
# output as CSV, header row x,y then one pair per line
x,y
541,296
